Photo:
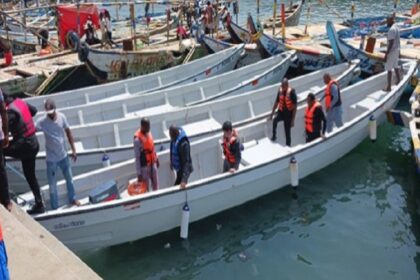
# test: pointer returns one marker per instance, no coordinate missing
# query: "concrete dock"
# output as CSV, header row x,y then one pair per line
x,y
34,253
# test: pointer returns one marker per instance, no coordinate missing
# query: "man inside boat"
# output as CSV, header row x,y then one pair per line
x,y
231,148
285,104
181,161
147,161
332,103
46,49
6,48
54,125
4,183
90,31
393,51
315,121
24,145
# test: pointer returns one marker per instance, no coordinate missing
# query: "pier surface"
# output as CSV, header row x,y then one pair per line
x,y
34,253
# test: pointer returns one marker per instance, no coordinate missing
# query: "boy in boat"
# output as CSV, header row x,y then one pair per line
x,y
54,125
180,155
231,148
285,104
393,51
332,103
24,145
4,132
315,122
147,161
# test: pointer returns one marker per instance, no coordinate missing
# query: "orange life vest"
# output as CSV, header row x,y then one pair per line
x,y
148,146
328,97
46,51
227,144
309,117
285,101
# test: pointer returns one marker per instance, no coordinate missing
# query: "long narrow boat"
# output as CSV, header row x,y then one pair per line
x,y
19,47
200,69
252,54
309,58
292,16
114,65
265,167
264,73
238,34
114,138
370,63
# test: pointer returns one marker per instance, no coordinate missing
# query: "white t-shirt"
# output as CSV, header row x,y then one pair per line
x,y
394,34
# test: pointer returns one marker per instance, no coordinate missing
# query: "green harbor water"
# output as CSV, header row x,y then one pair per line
x,y
356,219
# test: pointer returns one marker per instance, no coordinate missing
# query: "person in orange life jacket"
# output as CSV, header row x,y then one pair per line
x,y
6,48
4,271
285,104
333,103
231,148
45,46
315,122
147,161
180,155
24,145
4,143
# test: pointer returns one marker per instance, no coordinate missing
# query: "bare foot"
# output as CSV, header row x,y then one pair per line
x,y
76,203
9,207
387,89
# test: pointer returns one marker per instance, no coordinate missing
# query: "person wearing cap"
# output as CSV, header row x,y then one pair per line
x,y
24,145
54,125
4,142
147,161
231,148
181,161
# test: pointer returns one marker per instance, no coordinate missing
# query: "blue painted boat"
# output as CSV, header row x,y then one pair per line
x,y
369,63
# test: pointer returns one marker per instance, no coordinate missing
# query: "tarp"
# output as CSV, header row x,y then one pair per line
x,y
67,19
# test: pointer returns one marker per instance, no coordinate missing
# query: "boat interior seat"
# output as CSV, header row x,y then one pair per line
x,y
265,150
164,108
79,146
202,126
377,95
364,104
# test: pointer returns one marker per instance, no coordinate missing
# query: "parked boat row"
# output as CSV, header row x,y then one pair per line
x,y
211,191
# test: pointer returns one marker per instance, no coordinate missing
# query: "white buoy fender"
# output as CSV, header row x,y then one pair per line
x,y
294,172
185,220
106,161
372,128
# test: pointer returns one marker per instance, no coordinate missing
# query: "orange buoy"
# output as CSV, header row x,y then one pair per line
x,y
137,188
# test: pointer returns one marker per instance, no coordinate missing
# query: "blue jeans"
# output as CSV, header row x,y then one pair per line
x,y
4,272
65,167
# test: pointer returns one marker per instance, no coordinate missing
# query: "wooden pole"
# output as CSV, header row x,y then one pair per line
x,y
258,10
283,22
133,25
353,9
274,16
168,19
4,20
216,20
78,17
117,14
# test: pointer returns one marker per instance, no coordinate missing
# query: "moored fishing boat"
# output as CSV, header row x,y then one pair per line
x,y
238,34
370,63
114,137
309,58
264,164
292,16
263,73
200,69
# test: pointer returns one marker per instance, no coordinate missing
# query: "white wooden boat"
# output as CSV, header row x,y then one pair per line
x,y
309,58
252,54
263,73
370,63
114,65
200,69
292,16
265,167
114,138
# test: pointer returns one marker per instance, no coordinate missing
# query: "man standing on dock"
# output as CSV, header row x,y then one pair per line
x,y
393,51
285,104
4,140
332,103
24,145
